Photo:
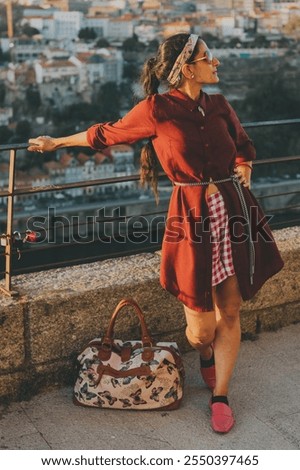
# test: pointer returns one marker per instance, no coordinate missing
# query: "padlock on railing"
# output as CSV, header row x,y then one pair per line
x,y
18,241
4,240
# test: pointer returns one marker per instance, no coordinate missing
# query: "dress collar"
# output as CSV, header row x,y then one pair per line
x,y
188,102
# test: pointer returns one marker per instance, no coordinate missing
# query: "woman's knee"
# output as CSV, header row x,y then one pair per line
x,y
228,300
201,327
230,311
199,338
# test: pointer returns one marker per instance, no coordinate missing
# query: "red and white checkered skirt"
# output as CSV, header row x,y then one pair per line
x,y
222,262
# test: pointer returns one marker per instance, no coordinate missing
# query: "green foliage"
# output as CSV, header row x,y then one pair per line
x,y
5,134
133,44
33,98
29,31
2,93
76,113
108,102
87,33
272,98
153,45
102,42
131,71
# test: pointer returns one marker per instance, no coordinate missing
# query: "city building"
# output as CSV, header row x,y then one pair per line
x,y
100,24
168,29
27,49
67,24
102,65
62,5
121,28
146,33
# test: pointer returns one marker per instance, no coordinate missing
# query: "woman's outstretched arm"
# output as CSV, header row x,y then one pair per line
x,y
46,143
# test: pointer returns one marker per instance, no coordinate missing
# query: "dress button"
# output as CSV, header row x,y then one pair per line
x,y
202,128
206,145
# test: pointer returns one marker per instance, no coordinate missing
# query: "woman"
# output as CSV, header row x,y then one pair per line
x,y
217,249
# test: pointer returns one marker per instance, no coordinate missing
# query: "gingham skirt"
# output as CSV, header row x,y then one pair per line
x,y
222,262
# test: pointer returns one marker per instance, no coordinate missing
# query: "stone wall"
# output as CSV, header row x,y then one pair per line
x,y
60,310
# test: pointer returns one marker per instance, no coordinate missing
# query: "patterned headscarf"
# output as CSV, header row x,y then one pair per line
x,y
184,55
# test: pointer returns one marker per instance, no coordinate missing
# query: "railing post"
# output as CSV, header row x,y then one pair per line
x,y
9,226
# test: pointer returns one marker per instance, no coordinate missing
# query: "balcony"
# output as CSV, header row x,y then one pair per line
x,y
49,311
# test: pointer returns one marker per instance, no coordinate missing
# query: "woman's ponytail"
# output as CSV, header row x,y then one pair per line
x,y
149,168
149,161
149,79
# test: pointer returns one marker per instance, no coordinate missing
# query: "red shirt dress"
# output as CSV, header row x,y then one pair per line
x,y
196,140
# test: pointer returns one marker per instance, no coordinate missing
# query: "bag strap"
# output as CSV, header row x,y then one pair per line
x,y
108,338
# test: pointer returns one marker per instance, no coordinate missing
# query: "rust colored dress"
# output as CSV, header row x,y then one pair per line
x,y
196,140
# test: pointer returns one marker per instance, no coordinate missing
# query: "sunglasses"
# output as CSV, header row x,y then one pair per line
x,y
208,57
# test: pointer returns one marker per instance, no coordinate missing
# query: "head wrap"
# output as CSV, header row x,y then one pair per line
x,y
184,55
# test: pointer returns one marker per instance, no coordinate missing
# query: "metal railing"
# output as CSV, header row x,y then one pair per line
x,y
11,192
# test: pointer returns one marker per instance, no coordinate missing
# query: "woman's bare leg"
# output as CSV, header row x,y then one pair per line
x,y
228,332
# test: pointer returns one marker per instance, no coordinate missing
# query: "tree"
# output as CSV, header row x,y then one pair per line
x,y
260,41
2,93
234,42
102,42
29,30
130,71
109,100
77,112
33,98
5,134
274,98
4,56
153,45
23,131
22,134
133,44
87,34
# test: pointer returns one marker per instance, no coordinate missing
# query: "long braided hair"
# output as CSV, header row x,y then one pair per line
x,y
155,71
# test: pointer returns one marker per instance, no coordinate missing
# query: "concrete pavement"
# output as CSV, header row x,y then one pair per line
x,y
265,397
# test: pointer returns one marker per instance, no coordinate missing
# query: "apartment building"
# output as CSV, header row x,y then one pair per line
x,y
101,65
27,50
67,24
121,28
99,23
50,70
62,5
170,28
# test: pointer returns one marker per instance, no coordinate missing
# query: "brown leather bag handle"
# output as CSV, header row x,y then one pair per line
x,y
108,338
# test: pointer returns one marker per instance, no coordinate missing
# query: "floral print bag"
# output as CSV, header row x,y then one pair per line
x,y
133,375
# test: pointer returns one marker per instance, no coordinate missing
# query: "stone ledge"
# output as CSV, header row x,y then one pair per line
x,y
60,310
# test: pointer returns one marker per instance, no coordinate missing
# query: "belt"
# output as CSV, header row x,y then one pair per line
x,y
237,185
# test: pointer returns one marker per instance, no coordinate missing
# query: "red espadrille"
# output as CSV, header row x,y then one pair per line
x,y
222,420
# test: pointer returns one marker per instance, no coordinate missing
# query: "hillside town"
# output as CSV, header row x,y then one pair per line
x,y
66,64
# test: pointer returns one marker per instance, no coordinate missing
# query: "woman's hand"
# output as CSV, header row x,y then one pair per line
x,y
243,173
41,144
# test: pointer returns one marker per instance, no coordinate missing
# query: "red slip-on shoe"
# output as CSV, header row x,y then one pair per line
x,y
209,376
222,420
